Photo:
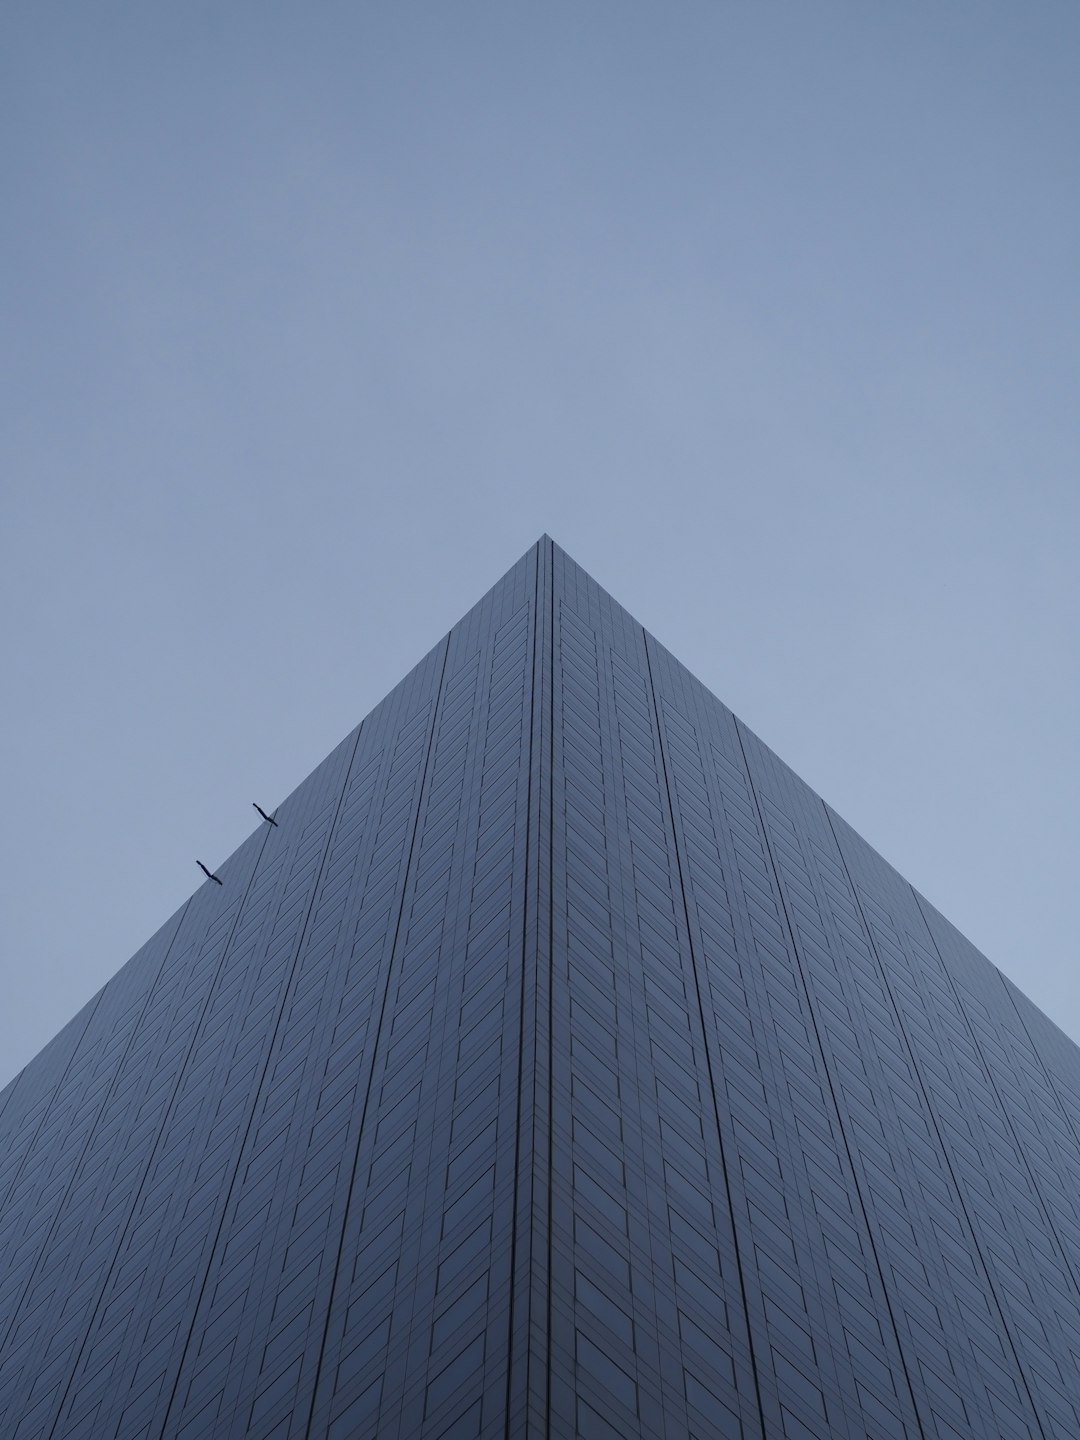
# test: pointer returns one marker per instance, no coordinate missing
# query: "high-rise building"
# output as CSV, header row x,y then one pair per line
x,y
555,1063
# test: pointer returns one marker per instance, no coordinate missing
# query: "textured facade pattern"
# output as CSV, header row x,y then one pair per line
x,y
559,1064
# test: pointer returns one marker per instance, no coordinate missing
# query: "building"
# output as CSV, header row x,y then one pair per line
x,y
556,1064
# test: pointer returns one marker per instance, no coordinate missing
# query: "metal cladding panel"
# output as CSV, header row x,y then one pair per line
x,y
558,1065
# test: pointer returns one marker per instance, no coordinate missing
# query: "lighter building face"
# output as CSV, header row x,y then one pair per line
x,y
557,1065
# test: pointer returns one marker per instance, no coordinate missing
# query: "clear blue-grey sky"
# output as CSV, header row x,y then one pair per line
x,y
315,316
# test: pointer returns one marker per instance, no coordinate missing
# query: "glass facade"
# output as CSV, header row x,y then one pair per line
x,y
558,1065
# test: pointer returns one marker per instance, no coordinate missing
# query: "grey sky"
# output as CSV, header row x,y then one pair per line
x,y
314,317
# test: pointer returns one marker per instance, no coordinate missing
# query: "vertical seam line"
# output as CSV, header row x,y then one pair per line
x,y
93,1129
932,1114
165,1118
704,1033
997,1094
550,1118
420,797
812,1011
1006,984
93,1003
286,992
74,1370
1063,1253
521,1014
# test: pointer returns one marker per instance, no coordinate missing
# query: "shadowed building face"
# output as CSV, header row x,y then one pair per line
x,y
554,1062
